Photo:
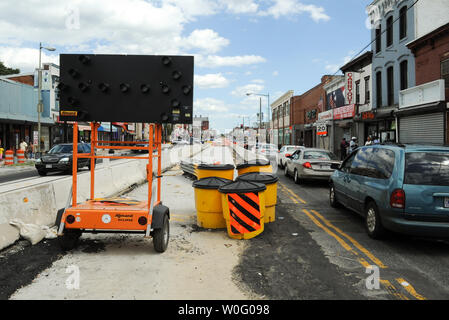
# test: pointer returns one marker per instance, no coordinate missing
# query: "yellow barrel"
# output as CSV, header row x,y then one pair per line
x,y
243,208
208,202
225,171
258,165
270,181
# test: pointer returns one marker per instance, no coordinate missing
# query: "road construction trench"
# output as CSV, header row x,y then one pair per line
x,y
325,224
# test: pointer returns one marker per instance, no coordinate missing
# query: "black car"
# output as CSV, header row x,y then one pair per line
x,y
59,158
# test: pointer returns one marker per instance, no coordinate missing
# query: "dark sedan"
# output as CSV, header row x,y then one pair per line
x,y
59,158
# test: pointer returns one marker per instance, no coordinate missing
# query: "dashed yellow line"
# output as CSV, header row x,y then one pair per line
x,y
392,290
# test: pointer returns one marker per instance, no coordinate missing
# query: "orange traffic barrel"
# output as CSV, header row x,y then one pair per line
x,y
243,205
257,165
270,181
225,171
9,157
208,202
21,156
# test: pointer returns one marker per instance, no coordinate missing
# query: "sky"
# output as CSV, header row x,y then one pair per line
x,y
240,46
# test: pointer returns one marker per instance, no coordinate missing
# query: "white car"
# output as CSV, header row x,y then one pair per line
x,y
285,152
267,150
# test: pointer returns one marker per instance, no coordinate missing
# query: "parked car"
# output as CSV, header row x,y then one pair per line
x,y
142,144
286,151
267,150
311,164
59,158
395,187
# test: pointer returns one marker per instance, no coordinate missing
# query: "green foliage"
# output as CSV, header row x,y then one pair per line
x,y
7,71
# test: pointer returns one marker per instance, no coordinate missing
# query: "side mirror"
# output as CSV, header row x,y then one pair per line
x,y
336,166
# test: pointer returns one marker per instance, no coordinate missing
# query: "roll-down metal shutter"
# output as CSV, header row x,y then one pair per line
x,y
422,129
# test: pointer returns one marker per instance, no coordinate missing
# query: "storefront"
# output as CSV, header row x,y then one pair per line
x,y
378,124
424,125
324,130
343,126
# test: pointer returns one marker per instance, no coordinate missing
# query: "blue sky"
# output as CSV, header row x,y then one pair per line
x,y
267,46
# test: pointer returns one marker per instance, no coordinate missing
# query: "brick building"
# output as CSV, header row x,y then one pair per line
x,y
305,110
423,109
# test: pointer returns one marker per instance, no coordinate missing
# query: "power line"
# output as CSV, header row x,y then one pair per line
x,y
375,39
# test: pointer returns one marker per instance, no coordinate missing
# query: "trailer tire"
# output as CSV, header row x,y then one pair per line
x,y
69,240
161,236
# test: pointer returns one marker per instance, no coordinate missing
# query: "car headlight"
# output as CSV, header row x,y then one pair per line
x,y
38,161
64,160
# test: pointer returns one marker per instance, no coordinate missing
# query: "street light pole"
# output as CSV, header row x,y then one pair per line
x,y
40,105
268,109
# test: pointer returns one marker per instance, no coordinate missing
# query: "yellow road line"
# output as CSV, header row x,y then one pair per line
x,y
407,286
353,241
294,194
329,232
392,290
390,287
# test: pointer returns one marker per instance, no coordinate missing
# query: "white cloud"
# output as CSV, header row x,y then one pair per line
x,y
206,40
249,88
209,105
260,81
26,59
211,81
334,67
275,73
213,61
241,6
294,7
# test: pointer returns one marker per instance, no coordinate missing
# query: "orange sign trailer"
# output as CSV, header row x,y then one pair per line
x,y
113,215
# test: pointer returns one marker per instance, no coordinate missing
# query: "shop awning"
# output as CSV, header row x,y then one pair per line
x,y
106,127
439,106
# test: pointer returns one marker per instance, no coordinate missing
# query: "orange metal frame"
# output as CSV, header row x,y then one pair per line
x,y
96,215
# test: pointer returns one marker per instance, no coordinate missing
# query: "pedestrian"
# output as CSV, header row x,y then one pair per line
x,y
23,146
369,141
1,153
29,151
376,140
353,145
343,147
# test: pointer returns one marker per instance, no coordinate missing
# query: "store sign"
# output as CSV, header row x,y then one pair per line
x,y
368,115
35,137
321,129
349,87
327,115
344,112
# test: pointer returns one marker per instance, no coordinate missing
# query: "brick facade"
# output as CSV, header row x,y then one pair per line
x,y
429,52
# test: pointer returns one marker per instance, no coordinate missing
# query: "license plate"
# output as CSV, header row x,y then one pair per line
x,y
446,202
48,166
325,167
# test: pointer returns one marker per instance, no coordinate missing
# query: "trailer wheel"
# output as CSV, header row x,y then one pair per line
x,y
69,240
161,236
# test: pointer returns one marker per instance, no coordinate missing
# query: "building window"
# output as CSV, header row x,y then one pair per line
x,y
367,91
357,92
403,22
404,75
389,31
445,72
390,86
379,89
378,40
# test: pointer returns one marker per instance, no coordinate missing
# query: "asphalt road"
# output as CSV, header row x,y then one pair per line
x,y
316,252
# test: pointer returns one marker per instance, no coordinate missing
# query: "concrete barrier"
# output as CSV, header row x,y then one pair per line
x,y
38,202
